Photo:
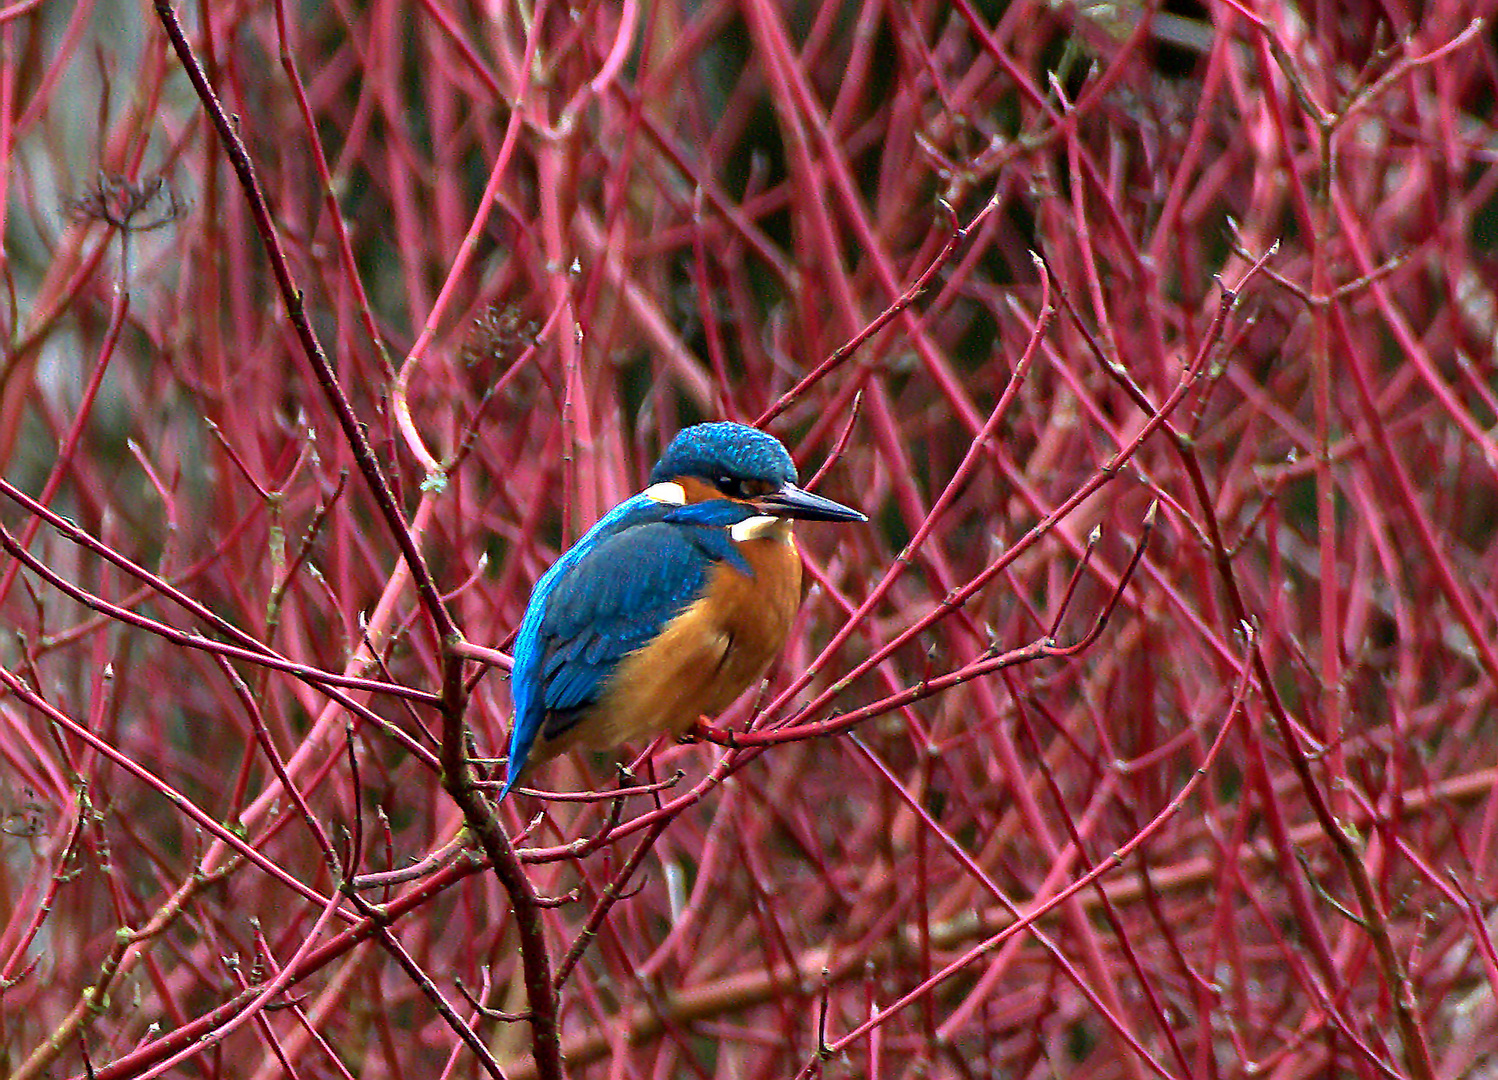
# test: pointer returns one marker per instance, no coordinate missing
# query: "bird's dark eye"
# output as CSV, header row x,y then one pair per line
x,y
731,487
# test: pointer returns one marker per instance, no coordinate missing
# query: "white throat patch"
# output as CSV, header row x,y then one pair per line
x,y
757,528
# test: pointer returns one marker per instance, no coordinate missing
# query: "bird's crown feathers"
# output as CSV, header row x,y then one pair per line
x,y
725,449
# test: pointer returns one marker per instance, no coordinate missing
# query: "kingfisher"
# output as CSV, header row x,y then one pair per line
x,y
670,606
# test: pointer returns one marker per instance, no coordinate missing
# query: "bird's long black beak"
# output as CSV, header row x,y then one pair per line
x,y
791,502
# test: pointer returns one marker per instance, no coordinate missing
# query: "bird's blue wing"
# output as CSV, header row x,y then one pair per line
x,y
525,676
609,595
615,600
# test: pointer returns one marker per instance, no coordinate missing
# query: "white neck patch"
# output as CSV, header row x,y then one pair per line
x,y
666,492
756,528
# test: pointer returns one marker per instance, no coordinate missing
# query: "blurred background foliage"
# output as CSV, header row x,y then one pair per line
x,y
534,240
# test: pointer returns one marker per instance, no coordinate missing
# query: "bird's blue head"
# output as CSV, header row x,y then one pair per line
x,y
745,465
728,451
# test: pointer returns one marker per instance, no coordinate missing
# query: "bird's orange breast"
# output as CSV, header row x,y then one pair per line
x,y
710,653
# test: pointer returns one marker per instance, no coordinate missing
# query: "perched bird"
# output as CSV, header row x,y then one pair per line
x,y
670,606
